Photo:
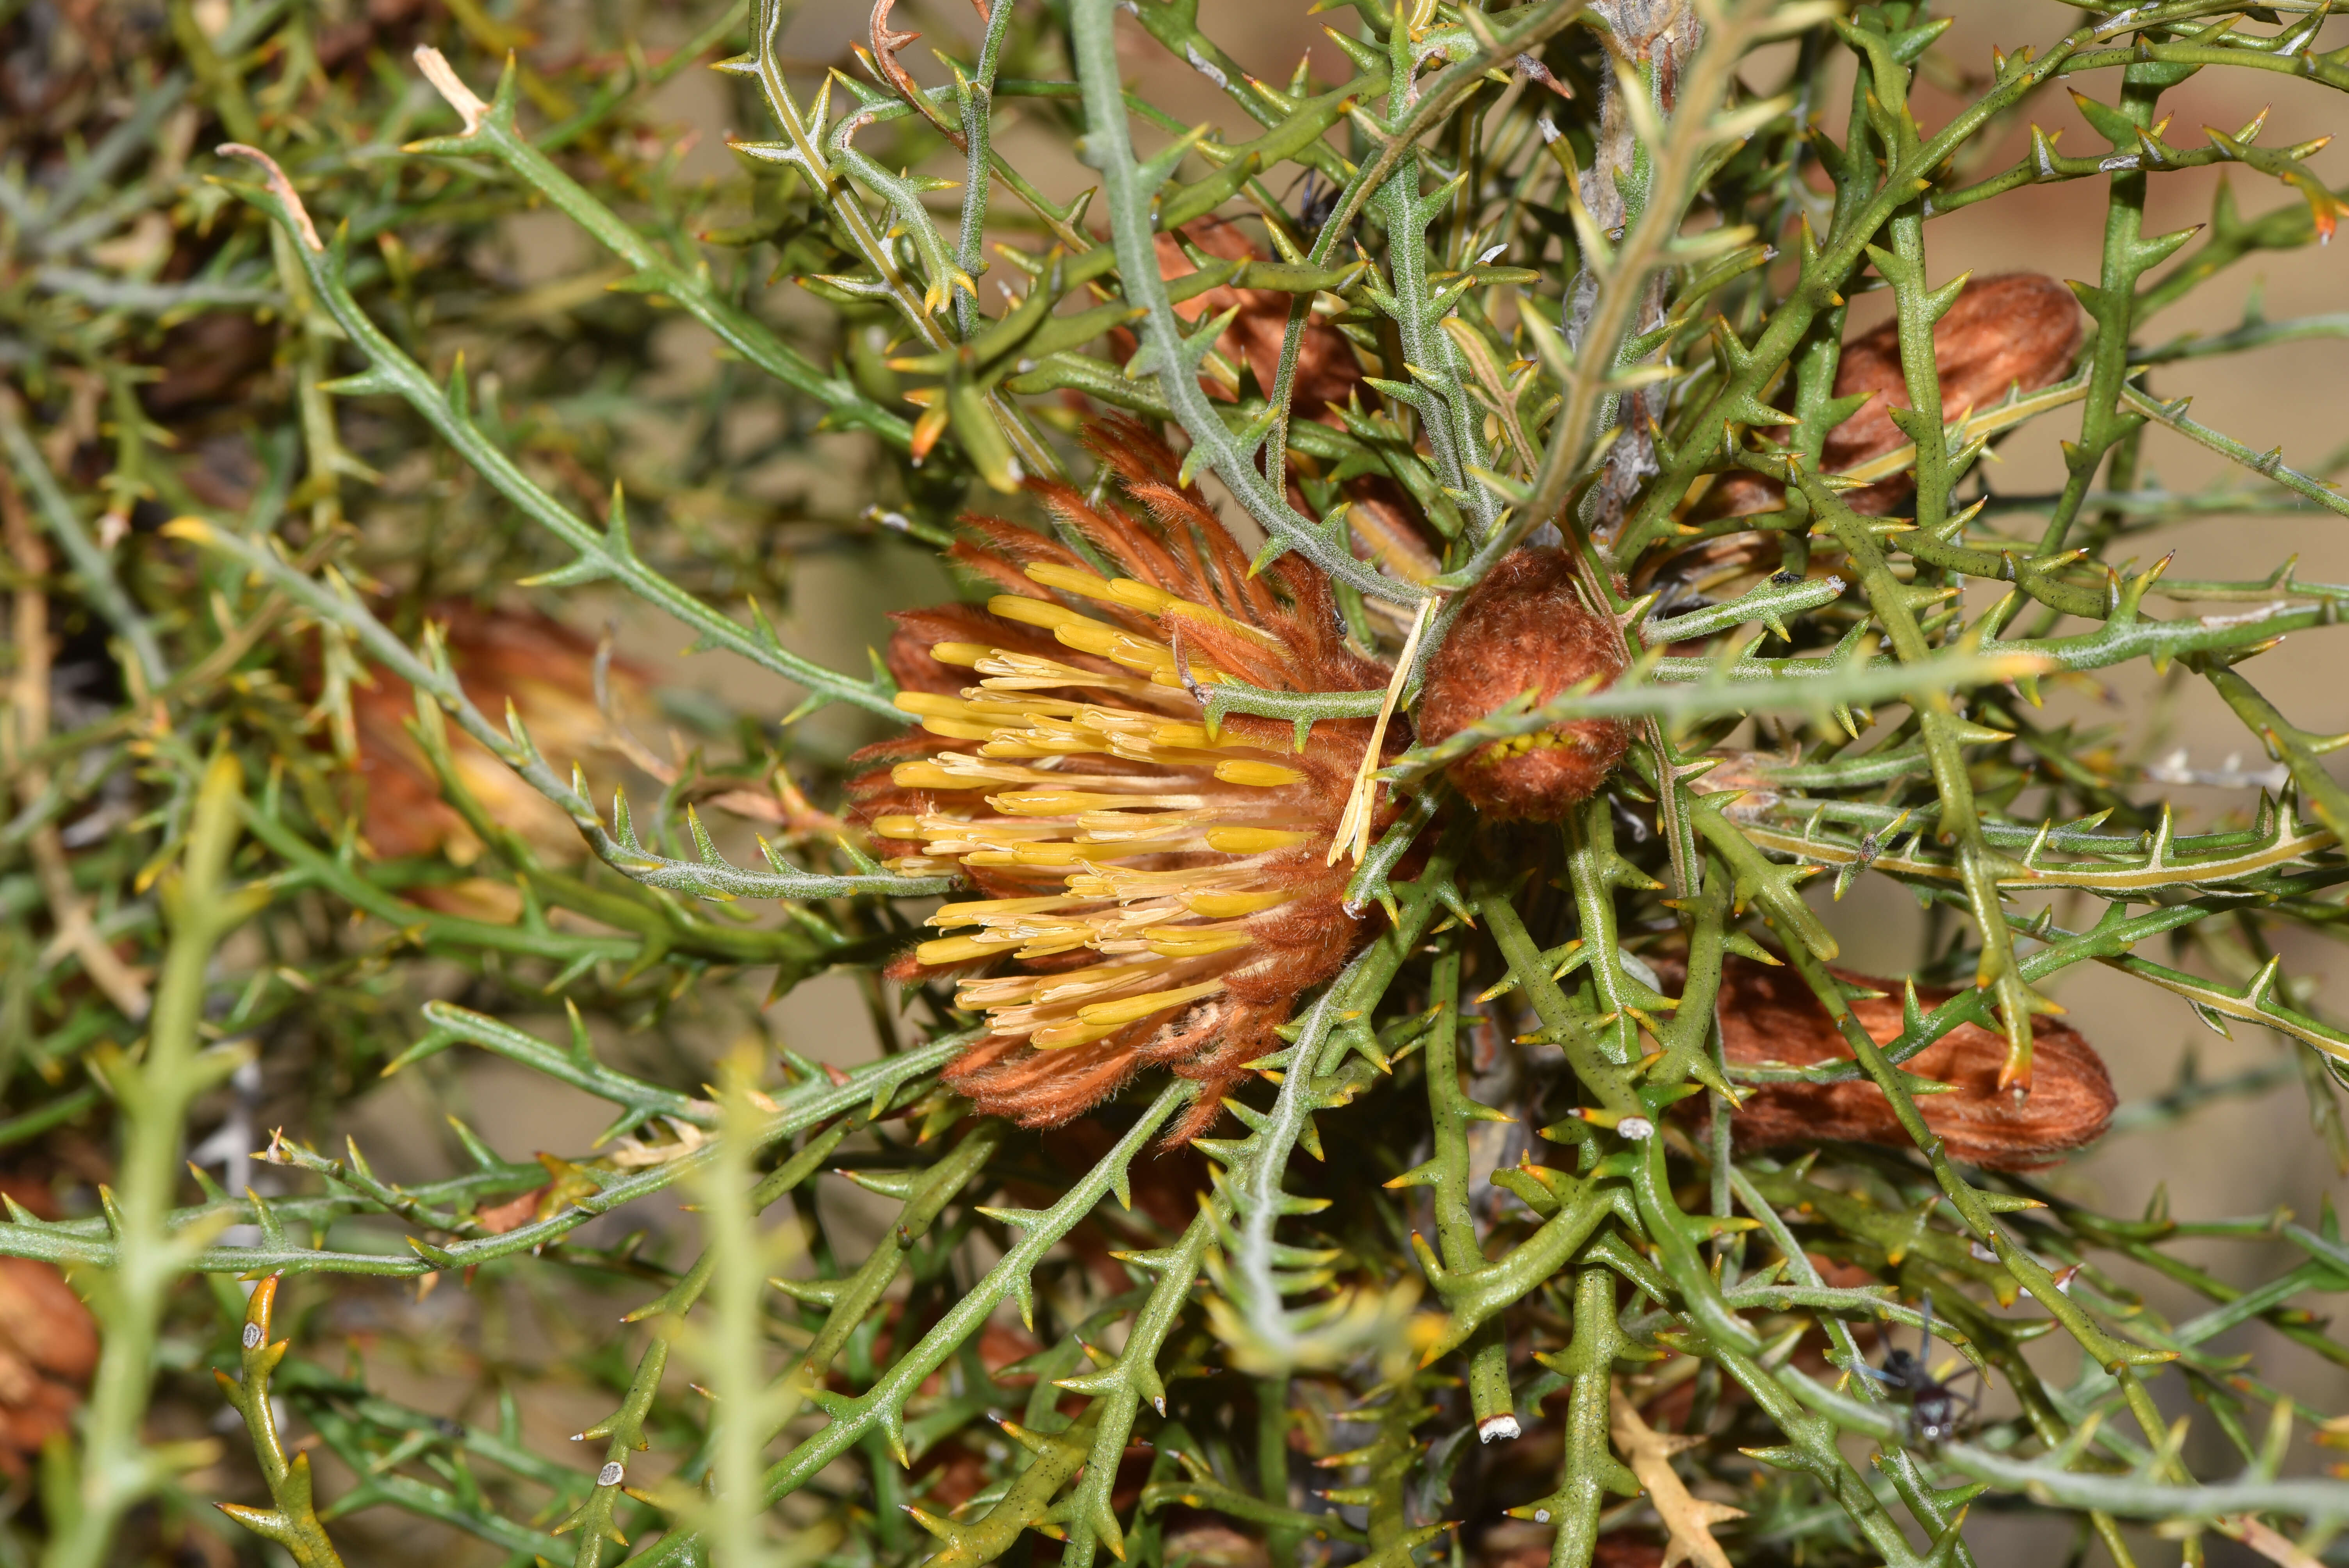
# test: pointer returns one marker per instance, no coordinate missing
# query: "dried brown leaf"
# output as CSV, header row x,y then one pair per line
x,y
1688,1519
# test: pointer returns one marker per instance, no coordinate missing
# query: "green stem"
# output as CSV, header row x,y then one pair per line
x,y
294,1522
1128,189
116,1468
711,878
93,565
2127,257
1452,1113
607,553
491,130
882,1407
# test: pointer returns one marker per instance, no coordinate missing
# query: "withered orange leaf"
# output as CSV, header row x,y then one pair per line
x,y
49,1349
546,671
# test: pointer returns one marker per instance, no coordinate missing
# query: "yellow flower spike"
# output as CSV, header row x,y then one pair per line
x,y
1098,983
1135,823
1010,672
1141,596
1121,590
1228,905
996,990
1062,1037
930,776
960,949
997,908
1253,841
1179,943
1026,748
1068,579
1258,775
962,653
1040,612
1062,802
1133,1009
1045,947
961,729
1119,648
930,705
1184,610
1050,855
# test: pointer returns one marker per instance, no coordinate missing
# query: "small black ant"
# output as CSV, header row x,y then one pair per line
x,y
1321,200
1934,1415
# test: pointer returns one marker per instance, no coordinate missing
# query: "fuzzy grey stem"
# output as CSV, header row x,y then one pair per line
x,y
1655,38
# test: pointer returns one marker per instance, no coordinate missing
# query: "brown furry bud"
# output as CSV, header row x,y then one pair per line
x,y
1526,628
1770,1016
2018,329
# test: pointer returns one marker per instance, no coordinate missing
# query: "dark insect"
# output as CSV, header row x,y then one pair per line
x,y
1933,1417
1784,579
1321,200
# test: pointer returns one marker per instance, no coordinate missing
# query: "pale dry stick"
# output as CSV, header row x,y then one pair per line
x,y
29,700
1353,834
1687,1519
2272,1544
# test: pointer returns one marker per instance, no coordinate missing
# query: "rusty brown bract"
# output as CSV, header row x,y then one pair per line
x,y
1770,1016
1327,372
1527,628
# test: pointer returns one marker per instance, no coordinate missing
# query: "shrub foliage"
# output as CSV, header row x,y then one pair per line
x,y
1304,1122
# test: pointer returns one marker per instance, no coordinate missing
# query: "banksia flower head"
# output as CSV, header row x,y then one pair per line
x,y
1527,627
1163,887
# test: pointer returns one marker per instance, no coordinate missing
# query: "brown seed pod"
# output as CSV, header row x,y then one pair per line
x,y
1769,1015
2017,329
1526,628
